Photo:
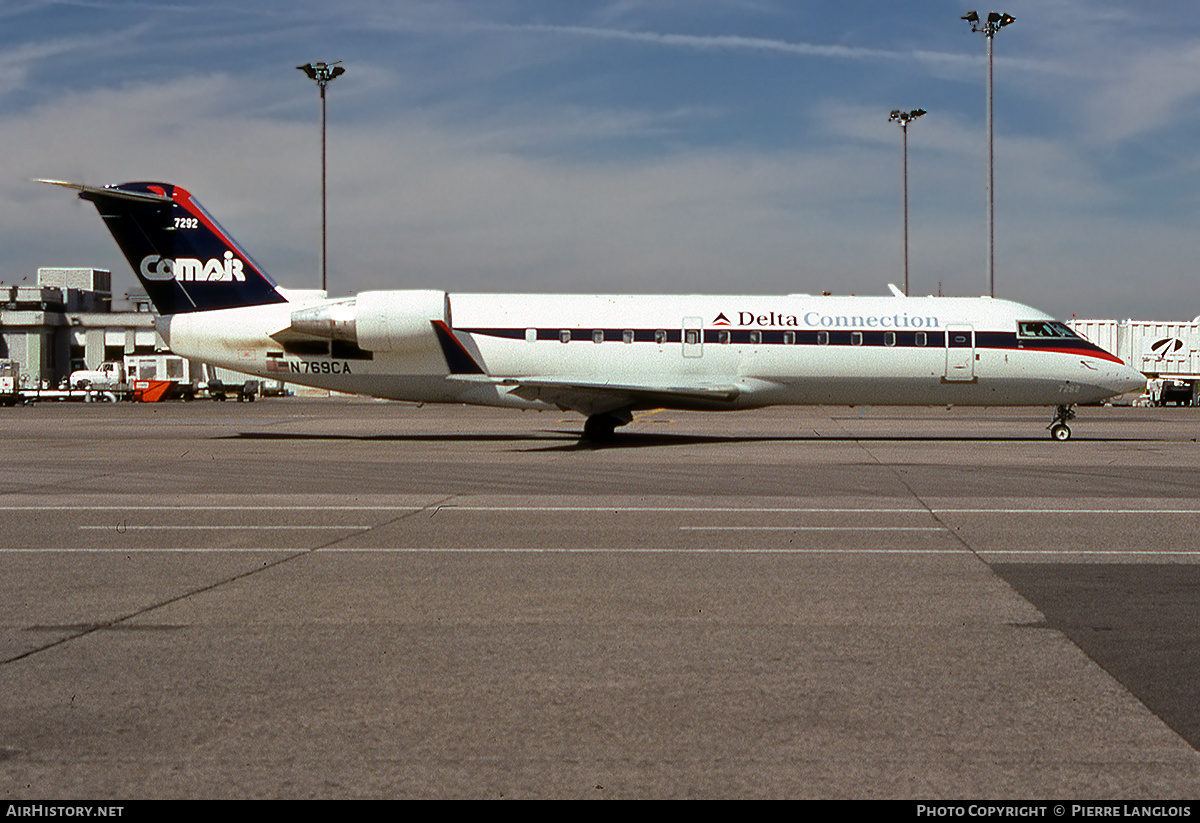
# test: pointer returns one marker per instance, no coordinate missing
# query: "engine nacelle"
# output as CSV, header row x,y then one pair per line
x,y
378,321
399,320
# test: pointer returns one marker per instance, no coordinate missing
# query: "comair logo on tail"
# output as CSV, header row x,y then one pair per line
x,y
193,270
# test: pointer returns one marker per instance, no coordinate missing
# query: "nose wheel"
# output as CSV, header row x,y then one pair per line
x,y
1059,430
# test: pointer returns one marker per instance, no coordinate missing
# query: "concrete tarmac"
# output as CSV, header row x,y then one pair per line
x,y
338,598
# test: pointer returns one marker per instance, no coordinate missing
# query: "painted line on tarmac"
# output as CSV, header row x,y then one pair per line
x,y
1113,553
451,509
232,526
470,550
592,509
149,550
811,529
1095,552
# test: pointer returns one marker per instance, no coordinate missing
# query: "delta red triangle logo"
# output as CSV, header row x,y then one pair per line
x,y
721,320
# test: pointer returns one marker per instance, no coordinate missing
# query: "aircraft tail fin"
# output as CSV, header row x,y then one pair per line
x,y
181,255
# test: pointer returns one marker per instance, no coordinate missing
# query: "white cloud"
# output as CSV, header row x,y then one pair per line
x,y
1147,92
733,42
19,60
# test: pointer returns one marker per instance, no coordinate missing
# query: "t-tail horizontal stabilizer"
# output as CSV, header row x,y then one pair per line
x,y
183,258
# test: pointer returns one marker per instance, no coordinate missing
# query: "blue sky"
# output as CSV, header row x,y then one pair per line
x,y
627,146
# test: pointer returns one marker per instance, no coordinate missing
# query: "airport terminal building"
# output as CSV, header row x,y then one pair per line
x,y
67,320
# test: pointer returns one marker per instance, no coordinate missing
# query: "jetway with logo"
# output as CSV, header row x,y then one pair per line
x,y
1168,353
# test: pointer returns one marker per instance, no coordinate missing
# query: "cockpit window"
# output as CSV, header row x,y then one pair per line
x,y
1044,328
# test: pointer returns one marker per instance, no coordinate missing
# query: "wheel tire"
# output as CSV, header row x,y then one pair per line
x,y
599,428
1060,431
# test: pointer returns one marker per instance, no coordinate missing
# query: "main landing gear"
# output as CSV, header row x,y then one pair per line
x,y
1059,430
599,428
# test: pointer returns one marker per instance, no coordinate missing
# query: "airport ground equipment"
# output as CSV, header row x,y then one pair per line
x,y
160,376
9,372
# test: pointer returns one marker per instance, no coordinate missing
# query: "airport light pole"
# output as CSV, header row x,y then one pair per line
x,y
995,22
323,73
904,118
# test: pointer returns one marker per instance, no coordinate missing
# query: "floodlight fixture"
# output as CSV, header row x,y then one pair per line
x,y
905,117
323,73
996,20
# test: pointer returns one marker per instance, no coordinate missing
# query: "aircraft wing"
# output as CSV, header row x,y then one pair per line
x,y
598,397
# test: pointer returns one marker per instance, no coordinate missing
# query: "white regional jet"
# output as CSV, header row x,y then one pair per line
x,y
602,356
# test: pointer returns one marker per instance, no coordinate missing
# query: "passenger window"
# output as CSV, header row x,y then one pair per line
x,y
692,336
724,337
597,336
755,337
660,336
822,338
889,338
627,336
789,337
564,336
856,338
919,339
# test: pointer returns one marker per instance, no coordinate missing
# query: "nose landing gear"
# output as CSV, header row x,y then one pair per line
x,y
1059,430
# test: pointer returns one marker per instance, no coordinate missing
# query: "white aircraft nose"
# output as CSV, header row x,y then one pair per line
x,y
1128,379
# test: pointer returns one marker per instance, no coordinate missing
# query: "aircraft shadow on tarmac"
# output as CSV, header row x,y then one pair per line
x,y
641,441
572,441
